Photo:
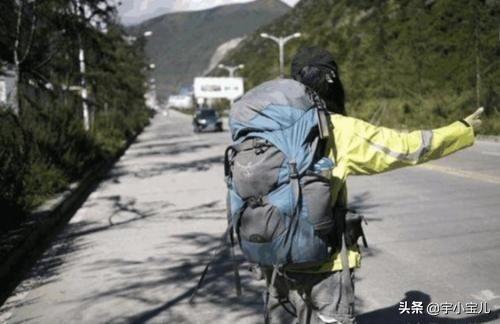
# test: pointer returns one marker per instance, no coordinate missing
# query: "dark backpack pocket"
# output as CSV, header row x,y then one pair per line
x,y
255,171
261,223
317,197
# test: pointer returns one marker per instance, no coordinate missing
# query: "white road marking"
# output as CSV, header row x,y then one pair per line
x,y
491,153
462,173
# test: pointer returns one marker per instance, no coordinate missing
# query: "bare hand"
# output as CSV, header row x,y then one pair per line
x,y
475,118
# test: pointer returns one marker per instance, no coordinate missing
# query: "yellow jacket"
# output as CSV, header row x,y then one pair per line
x,y
359,148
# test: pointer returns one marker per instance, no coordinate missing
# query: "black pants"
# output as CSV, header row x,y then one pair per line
x,y
313,298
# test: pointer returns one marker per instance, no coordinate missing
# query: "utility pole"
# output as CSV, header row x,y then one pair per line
x,y
83,90
231,69
281,41
83,81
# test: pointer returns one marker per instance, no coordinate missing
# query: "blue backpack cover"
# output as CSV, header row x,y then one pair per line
x,y
279,193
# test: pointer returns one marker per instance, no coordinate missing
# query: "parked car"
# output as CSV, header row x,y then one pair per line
x,y
207,120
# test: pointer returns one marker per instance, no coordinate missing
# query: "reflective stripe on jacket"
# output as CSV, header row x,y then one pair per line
x,y
359,148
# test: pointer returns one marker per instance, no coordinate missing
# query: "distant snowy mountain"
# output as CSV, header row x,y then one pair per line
x,y
136,11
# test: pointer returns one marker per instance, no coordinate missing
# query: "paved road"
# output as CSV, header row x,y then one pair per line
x,y
134,250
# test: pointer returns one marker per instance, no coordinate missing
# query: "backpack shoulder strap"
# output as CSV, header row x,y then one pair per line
x,y
324,124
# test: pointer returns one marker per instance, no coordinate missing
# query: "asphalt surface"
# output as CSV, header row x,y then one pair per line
x,y
134,251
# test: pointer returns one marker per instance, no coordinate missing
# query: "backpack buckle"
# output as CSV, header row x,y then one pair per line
x,y
294,174
254,202
260,146
229,183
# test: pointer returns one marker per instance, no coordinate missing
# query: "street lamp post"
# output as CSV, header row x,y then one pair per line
x,y
231,69
150,96
281,41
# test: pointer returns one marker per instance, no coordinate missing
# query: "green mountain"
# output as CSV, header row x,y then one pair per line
x,y
183,43
405,64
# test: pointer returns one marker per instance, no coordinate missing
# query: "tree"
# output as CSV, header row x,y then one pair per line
x,y
44,144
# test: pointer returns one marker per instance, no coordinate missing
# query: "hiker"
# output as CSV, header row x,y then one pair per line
x,y
286,174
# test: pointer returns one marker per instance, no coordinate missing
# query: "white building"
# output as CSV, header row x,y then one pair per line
x,y
180,101
7,85
151,99
3,91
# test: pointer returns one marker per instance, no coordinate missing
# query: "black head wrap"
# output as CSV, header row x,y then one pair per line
x,y
316,68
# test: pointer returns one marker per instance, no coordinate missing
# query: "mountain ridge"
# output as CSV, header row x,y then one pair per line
x,y
183,43
132,14
404,64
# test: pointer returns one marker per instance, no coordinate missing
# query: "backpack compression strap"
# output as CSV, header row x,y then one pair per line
x,y
285,253
237,279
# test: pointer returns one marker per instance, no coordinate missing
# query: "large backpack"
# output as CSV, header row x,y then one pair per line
x,y
279,195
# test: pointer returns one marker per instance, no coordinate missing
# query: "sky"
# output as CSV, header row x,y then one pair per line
x,y
135,11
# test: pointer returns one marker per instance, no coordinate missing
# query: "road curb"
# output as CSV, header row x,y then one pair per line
x,y
31,239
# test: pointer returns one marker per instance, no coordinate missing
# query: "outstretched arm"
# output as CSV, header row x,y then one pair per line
x,y
362,148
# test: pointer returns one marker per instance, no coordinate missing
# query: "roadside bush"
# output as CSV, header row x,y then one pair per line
x,y
41,182
41,154
43,144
